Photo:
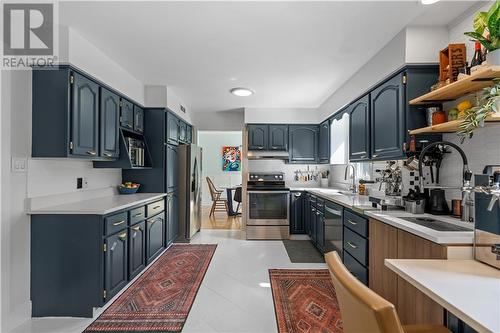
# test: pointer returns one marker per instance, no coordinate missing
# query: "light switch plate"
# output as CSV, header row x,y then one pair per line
x,y
19,164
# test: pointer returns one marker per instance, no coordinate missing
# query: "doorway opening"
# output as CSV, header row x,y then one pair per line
x,y
221,179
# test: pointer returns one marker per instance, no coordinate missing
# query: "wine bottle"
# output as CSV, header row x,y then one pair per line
x,y
477,59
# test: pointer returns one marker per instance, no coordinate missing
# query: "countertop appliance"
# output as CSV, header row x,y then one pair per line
x,y
487,226
268,201
437,202
333,227
190,166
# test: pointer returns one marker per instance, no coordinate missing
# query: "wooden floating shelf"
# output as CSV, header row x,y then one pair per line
x,y
449,127
478,80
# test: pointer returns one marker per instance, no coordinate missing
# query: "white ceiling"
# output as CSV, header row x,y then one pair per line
x,y
292,54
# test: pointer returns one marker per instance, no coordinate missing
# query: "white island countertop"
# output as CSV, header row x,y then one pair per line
x,y
467,288
440,237
99,206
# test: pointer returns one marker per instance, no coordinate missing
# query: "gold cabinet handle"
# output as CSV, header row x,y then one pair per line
x,y
107,154
352,222
122,236
137,215
156,207
91,152
118,223
136,228
352,245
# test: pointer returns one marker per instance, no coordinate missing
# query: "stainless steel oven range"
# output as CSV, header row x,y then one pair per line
x,y
268,202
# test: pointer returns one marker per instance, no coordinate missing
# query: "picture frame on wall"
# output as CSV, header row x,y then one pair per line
x,y
231,158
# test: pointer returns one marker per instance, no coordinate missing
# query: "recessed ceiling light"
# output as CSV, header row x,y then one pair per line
x,y
241,92
428,2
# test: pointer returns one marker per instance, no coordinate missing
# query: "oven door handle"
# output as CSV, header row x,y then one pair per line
x,y
277,192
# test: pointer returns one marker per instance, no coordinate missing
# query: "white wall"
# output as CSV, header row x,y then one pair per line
x,y
388,59
277,115
230,120
163,96
44,176
212,143
423,43
83,54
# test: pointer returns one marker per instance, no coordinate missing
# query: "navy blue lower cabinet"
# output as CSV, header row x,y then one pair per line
x,y
297,225
172,217
116,263
137,249
79,262
154,236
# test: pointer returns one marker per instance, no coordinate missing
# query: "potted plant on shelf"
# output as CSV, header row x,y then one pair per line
x,y
487,32
475,116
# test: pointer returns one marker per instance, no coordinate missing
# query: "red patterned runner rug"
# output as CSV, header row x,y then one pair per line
x,y
160,299
305,301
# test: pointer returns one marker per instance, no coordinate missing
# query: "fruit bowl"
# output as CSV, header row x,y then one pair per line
x,y
128,190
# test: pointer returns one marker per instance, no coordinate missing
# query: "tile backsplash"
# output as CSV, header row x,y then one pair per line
x,y
289,170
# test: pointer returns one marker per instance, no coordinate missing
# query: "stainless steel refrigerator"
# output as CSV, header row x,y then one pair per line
x,y
190,166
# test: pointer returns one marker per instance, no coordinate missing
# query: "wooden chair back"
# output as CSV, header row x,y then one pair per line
x,y
213,191
361,308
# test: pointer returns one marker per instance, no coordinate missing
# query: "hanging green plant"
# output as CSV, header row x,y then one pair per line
x,y
487,28
475,116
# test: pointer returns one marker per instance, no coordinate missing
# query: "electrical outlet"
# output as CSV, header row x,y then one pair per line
x,y
85,182
19,164
79,182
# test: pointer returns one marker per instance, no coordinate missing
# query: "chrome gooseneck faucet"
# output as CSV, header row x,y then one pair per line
x,y
467,189
353,176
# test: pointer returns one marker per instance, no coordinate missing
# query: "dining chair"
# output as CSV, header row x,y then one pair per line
x,y
238,198
218,203
362,309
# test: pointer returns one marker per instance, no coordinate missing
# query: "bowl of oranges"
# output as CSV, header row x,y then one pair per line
x,y
128,188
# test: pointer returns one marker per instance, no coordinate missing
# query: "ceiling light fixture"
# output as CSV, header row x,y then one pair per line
x,y
241,92
428,2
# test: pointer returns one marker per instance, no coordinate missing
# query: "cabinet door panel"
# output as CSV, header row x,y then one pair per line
x,y
359,129
387,119
303,141
154,236
172,129
127,115
296,206
320,231
85,116
258,137
182,131
324,142
278,137
173,217
138,119
312,224
172,168
110,115
137,249
116,263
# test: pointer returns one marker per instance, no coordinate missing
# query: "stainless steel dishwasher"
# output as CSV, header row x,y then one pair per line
x,y
333,227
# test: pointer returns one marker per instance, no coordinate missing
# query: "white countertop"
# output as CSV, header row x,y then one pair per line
x,y
467,288
362,205
99,206
440,237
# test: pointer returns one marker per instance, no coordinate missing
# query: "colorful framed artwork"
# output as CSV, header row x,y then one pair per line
x,y
231,159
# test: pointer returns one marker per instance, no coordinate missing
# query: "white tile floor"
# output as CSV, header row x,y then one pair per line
x,y
234,296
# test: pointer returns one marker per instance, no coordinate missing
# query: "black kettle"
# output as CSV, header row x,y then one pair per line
x,y
437,204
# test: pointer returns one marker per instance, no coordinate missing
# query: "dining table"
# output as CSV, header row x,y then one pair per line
x,y
229,195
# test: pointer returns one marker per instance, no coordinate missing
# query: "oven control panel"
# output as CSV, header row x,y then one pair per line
x,y
265,177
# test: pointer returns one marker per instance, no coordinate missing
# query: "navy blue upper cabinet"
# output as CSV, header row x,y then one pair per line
x,y
182,131
110,114
138,119
189,134
127,115
359,129
172,168
324,142
172,129
387,114
84,116
278,137
258,137
303,141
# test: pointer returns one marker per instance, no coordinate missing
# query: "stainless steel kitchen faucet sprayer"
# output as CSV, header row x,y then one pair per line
x,y
353,185
467,189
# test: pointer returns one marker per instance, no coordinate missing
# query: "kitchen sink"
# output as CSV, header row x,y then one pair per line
x,y
435,224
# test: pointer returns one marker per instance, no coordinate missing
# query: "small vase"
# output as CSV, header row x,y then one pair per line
x,y
324,182
493,58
